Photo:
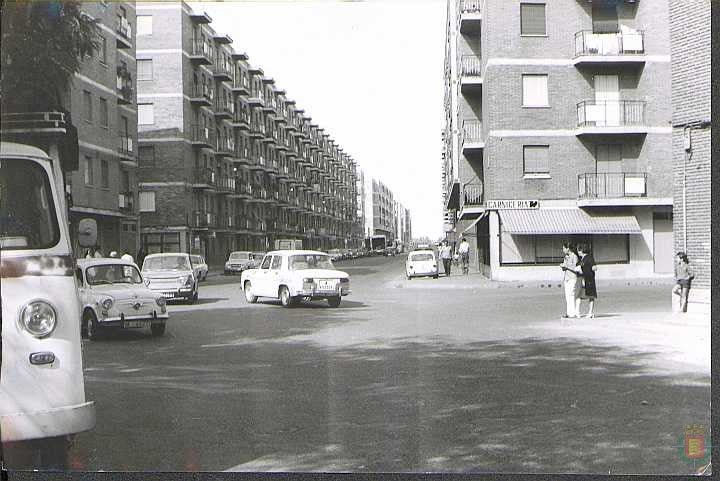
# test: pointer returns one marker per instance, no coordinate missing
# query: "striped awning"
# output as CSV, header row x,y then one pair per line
x,y
566,221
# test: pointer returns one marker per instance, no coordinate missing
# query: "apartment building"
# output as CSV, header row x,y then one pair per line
x,y
691,93
102,103
404,227
381,209
558,128
227,160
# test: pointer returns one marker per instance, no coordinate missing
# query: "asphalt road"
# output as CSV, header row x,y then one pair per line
x,y
396,379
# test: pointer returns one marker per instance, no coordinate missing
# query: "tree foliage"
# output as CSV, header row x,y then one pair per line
x,y
43,46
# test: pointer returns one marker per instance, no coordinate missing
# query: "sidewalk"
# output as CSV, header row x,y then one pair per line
x,y
475,280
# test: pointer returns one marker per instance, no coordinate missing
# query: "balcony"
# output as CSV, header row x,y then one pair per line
x,y
127,147
471,198
124,85
203,178
242,190
257,128
256,98
223,110
124,33
620,47
222,72
598,117
201,53
471,70
226,185
241,85
125,202
202,137
471,15
472,135
241,120
614,189
201,95
225,147
241,156
203,220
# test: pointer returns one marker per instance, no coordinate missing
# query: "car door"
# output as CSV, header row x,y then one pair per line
x,y
260,279
273,278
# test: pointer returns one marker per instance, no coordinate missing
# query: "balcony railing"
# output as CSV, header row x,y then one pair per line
x,y
610,113
223,109
124,85
126,148
204,176
222,71
202,135
618,43
472,131
472,195
201,51
612,185
471,6
226,184
471,65
203,219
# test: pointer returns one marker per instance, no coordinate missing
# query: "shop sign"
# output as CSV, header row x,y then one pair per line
x,y
512,204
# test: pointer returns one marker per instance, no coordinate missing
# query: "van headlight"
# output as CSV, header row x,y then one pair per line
x,y
38,318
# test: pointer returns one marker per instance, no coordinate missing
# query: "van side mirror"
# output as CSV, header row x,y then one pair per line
x,y
87,233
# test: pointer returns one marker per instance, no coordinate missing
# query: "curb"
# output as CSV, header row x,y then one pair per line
x,y
488,284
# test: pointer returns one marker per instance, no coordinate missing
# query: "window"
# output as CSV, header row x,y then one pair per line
x,y
147,155
145,69
103,112
147,201
266,262
103,50
146,114
536,160
104,174
276,261
88,170
144,25
532,19
535,92
87,106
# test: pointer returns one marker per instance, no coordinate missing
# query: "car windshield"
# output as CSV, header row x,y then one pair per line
x,y
239,256
421,257
27,211
166,263
113,274
310,261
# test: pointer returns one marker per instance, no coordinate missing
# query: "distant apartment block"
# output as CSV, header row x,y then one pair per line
x,y
562,109
691,102
227,160
381,210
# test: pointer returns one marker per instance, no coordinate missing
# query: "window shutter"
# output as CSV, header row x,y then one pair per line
x,y
147,201
605,17
535,93
536,158
532,19
145,69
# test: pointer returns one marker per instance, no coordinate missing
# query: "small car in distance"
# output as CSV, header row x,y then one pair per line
x,y
171,275
238,261
199,266
421,263
296,275
335,255
113,294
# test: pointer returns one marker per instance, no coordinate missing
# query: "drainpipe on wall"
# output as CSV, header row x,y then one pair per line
x,y
687,143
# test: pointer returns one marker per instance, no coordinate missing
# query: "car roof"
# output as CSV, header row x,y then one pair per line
x,y
96,261
423,251
241,252
166,254
296,252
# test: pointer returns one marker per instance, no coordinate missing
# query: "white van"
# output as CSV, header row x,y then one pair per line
x,y
42,393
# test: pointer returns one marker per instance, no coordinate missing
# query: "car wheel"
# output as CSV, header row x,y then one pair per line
x,y
249,296
334,301
92,327
285,298
157,330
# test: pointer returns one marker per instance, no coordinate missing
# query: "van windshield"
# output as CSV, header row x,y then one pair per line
x,y
27,210
166,263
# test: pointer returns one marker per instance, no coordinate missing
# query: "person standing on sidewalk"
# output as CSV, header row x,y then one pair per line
x,y
446,257
464,252
683,276
587,270
571,280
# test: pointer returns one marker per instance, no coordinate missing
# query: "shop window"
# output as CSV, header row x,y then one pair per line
x,y
611,249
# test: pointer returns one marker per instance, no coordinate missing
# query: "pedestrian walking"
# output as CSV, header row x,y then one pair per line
x,y
446,256
571,280
97,254
587,271
683,277
464,252
113,254
126,257
88,254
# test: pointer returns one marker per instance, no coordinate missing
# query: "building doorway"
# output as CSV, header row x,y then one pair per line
x,y
663,254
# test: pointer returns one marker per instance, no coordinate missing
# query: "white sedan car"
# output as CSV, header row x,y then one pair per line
x,y
295,275
421,263
113,294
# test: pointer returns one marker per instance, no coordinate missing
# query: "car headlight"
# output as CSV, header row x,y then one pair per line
x,y
107,303
38,318
160,301
344,280
189,280
227,264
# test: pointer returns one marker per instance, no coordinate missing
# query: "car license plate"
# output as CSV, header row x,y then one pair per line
x,y
326,284
131,324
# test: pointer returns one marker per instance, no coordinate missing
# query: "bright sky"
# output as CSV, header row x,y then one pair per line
x,y
369,72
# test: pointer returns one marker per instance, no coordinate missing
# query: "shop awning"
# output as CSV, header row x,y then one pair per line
x,y
480,217
566,221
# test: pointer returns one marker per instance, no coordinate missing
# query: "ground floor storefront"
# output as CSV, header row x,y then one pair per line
x,y
524,245
115,232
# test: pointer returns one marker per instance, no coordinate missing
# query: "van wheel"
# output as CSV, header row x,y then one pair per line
x,y
285,298
92,327
157,330
249,296
334,301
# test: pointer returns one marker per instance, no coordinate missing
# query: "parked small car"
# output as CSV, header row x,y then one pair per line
x,y
421,263
295,275
238,261
172,275
113,294
335,255
200,267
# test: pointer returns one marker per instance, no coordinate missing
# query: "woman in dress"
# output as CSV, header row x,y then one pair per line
x,y
587,268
